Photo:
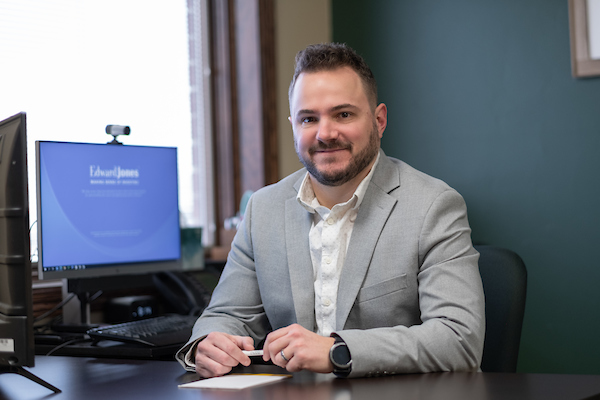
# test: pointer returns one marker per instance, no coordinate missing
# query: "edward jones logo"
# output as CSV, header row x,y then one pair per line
x,y
113,176
115,172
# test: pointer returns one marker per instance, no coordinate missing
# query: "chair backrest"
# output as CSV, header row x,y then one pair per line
x,y
505,286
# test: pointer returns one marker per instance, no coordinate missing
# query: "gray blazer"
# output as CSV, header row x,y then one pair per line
x,y
410,297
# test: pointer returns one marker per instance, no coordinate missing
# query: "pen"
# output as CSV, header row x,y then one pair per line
x,y
251,353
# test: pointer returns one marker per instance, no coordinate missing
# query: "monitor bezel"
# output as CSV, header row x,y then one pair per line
x,y
99,270
17,322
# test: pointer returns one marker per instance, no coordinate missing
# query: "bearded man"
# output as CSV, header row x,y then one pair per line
x,y
357,264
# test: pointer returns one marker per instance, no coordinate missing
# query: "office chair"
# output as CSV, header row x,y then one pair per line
x,y
505,285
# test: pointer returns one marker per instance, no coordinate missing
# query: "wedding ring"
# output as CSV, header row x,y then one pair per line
x,y
284,357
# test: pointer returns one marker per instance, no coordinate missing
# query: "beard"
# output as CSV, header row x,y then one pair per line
x,y
358,162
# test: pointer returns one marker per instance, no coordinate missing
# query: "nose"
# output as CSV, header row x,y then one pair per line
x,y
327,130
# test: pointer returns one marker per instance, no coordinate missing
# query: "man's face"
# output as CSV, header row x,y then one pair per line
x,y
336,132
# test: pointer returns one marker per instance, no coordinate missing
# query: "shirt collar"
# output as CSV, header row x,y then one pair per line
x,y
307,199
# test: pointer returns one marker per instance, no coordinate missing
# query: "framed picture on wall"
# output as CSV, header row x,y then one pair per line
x,y
584,22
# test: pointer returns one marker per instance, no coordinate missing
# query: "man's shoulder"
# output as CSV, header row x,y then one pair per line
x,y
409,177
285,188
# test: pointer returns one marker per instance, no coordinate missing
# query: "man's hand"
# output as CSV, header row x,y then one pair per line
x,y
219,352
302,348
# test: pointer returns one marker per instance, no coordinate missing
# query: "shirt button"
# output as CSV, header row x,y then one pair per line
x,y
327,260
330,221
327,302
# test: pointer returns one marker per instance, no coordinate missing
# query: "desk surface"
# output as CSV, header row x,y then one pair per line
x,y
90,379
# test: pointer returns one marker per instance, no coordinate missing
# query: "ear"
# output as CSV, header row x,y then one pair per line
x,y
381,118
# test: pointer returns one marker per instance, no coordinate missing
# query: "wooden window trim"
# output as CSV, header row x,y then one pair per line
x,y
244,102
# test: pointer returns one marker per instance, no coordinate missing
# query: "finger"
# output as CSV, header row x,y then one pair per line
x,y
245,343
269,350
223,349
241,343
281,339
293,365
206,358
214,352
281,351
235,352
208,368
286,357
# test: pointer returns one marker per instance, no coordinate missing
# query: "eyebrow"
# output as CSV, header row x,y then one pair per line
x,y
332,109
343,106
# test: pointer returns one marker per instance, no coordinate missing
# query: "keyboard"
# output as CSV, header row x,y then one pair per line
x,y
166,330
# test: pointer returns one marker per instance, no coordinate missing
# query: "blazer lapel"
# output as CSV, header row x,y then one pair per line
x,y
372,216
297,226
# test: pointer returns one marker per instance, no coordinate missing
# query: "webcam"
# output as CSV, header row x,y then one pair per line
x,y
116,130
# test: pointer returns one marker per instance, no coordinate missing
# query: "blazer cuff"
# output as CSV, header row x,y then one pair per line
x,y
186,355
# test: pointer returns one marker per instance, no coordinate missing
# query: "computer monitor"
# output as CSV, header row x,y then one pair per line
x,y
105,211
16,331
16,309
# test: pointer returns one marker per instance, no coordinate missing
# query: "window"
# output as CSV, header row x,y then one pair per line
x,y
75,67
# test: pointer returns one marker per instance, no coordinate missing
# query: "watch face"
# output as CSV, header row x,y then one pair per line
x,y
340,355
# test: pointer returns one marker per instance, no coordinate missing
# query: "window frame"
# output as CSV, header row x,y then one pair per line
x,y
244,102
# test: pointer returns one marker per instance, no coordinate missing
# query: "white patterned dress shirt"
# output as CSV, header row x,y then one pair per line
x,y
329,237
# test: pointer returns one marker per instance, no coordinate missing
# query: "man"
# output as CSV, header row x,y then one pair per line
x,y
358,264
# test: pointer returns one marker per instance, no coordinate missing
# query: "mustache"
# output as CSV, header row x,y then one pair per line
x,y
333,145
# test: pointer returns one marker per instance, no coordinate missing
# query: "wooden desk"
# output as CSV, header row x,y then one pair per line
x,y
91,379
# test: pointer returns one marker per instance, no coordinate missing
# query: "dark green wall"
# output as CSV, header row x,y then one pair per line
x,y
480,94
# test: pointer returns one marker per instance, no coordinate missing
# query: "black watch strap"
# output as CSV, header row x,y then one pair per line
x,y
340,357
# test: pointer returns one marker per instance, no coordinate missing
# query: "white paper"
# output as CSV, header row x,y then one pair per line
x,y
234,382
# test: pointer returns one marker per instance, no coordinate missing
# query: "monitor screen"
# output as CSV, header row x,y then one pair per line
x,y
106,209
16,315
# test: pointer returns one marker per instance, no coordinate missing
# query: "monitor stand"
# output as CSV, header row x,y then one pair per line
x,y
76,313
23,372
78,310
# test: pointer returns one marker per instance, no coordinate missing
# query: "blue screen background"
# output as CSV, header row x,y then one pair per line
x,y
88,219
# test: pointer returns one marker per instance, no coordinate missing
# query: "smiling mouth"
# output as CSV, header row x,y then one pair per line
x,y
325,150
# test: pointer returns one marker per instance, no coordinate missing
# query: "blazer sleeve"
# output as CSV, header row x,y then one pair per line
x,y
236,305
450,301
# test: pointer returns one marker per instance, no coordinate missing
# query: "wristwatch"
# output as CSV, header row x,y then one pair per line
x,y
339,355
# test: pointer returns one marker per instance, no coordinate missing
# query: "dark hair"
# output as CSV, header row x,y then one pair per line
x,y
329,56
